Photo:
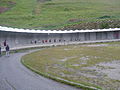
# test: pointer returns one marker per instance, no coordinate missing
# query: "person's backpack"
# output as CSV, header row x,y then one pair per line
x,y
5,43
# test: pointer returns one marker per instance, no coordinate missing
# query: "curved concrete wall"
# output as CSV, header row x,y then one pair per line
x,y
19,37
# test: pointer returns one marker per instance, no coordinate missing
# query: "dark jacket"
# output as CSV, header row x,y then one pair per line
x,y
7,48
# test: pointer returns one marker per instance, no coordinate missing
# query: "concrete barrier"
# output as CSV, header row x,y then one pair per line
x,y
34,38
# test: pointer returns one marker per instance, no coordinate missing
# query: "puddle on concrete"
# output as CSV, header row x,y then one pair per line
x,y
67,58
111,69
76,65
66,49
85,58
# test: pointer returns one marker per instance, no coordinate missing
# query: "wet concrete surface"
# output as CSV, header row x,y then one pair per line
x,y
15,76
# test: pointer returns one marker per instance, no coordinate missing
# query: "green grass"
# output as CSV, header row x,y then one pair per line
x,y
60,61
57,13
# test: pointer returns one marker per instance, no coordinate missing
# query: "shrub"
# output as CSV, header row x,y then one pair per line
x,y
104,17
104,25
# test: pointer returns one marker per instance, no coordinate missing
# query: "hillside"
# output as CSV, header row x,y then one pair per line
x,y
60,14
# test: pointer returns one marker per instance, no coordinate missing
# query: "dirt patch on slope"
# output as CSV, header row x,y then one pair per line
x,y
9,5
3,9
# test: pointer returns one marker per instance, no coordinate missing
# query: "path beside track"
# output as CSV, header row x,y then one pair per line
x,y
15,76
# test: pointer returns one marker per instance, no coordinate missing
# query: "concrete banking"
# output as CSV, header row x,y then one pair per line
x,y
25,38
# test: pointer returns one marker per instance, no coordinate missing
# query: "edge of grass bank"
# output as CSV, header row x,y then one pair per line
x,y
25,49
77,85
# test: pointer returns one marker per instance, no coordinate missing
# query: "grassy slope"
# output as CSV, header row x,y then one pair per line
x,y
50,61
57,13
20,15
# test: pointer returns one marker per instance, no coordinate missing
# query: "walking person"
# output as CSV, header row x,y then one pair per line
x,y
35,41
7,50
